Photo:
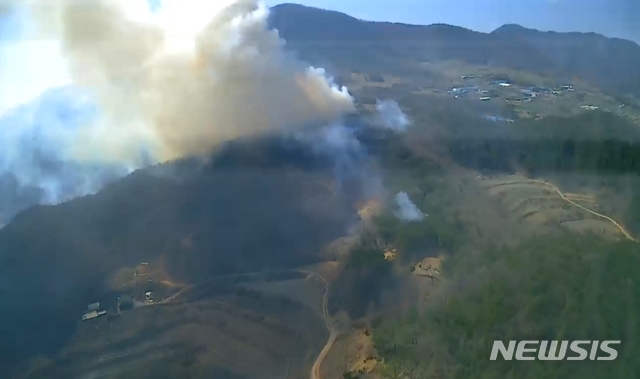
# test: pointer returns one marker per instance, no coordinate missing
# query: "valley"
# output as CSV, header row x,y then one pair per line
x,y
283,257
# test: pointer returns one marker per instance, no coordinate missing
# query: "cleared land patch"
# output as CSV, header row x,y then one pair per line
x,y
537,203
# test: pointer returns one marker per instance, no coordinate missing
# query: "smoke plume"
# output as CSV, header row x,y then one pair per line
x,y
34,165
353,168
153,86
392,116
185,79
407,210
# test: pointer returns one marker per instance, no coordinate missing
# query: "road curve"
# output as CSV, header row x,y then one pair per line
x,y
614,222
315,369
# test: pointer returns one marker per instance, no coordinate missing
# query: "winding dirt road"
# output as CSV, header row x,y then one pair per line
x,y
333,334
614,222
315,370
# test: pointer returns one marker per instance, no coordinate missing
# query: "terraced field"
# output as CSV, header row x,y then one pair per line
x,y
541,204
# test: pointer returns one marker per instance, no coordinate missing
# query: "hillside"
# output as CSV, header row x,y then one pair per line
x,y
254,206
539,290
243,264
609,63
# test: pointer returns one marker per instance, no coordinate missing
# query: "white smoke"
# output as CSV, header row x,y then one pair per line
x,y
34,166
149,87
350,161
185,79
392,116
407,210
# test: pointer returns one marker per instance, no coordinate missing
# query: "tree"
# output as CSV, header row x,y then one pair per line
x,y
565,287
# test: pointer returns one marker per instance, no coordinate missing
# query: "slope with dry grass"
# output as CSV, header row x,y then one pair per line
x,y
255,206
243,332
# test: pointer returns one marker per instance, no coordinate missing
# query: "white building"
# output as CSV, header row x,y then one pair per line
x,y
93,314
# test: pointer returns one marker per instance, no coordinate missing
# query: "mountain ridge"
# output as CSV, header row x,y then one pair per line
x,y
294,7
608,63
255,205
224,207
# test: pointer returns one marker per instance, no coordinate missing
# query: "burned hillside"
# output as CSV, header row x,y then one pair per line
x,y
255,205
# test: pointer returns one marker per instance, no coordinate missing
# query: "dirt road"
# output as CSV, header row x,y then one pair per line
x,y
333,334
325,298
315,369
620,227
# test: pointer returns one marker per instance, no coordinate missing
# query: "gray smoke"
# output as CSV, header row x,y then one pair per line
x,y
353,168
392,116
407,210
184,80
34,166
179,83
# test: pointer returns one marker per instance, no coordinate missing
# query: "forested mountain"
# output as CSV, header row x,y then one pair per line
x,y
539,290
274,203
255,205
609,63
591,142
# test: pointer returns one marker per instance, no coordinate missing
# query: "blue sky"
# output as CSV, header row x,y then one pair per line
x,y
614,18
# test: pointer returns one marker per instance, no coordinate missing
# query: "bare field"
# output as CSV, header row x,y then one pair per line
x,y
515,190
537,204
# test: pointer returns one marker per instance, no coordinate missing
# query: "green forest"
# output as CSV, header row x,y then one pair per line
x,y
596,141
562,288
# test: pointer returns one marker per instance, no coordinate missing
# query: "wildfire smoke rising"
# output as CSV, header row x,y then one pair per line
x,y
184,79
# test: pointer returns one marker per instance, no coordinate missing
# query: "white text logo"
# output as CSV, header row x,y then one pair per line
x,y
555,350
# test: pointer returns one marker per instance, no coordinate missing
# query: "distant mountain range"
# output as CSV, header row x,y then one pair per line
x,y
612,64
254,205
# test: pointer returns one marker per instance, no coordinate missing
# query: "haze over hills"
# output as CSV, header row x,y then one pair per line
x,y
275,203
35,164
609,63
260,205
